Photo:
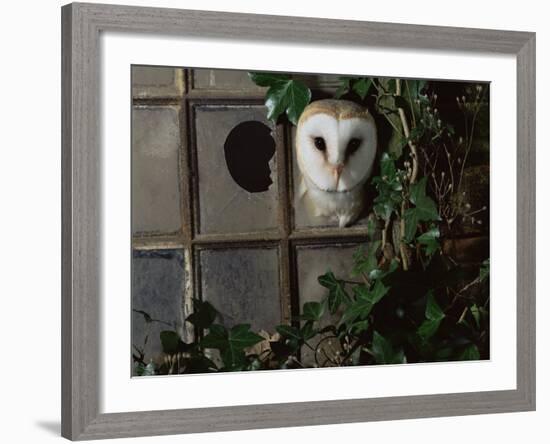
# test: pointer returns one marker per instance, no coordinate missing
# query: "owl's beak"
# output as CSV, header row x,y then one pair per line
x,y
337,172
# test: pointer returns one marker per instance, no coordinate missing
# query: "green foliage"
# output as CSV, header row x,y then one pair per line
x,y
384,352
484,270
424,209
204,315
359,86
366,263
389,187
313,311
231,343
284,95
430,240
434,316
364,300
337,292
470,353
141,369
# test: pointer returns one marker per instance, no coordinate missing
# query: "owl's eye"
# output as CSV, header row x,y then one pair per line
x,y
353,145
320,143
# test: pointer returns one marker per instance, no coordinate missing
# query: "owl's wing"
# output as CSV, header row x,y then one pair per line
x,y
302,188
304,198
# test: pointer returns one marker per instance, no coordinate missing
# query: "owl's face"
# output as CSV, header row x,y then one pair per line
x,y
336,144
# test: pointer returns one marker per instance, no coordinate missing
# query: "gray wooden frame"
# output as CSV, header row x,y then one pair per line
x,y
81,26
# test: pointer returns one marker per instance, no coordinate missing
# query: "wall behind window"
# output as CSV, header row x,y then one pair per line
x,y
30,222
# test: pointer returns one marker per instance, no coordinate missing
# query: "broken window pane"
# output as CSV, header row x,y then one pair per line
x,y
158,283
237,175
243,285
155,158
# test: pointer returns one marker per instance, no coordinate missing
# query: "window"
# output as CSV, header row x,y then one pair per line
x,y
213,205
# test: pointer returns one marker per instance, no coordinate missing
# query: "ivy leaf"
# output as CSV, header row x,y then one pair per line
x,y
427,329
343,88
231,343
307,331
365,263
389,188
204,314
287,331
380,274
267,78
358,85
337,292
424,210
290,97
365,300
313,311
411,223
434,316
433,310
470,353
359,309
361,86
358,327
145,370
383,351
430,240
373,295
169,341
425,206
484,270
476,313
415,88
284,95
241,337
217,337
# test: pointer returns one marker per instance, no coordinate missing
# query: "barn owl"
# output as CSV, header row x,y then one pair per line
x,y
335,149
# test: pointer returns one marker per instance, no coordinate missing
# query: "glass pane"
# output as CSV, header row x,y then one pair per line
x,y
237,173
157,292
243,285
312,262
221,79
155,158
157,81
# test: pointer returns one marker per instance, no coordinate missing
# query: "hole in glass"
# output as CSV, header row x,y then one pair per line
x,y
248,149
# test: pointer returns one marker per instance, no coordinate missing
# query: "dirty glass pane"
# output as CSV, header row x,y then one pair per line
x,y
303,217
237,176
325,83
222,79
155,187
312,262
243,284
157,292
157,81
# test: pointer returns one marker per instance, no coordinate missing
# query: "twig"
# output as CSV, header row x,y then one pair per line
x,y
385,233
402,250
405,125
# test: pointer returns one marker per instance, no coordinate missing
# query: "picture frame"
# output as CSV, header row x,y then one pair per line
x,y
81,232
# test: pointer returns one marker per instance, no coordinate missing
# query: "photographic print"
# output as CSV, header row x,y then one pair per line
x,y
299,221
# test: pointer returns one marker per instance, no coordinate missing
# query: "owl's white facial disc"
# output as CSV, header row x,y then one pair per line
x,y
344,158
